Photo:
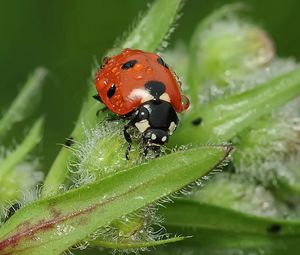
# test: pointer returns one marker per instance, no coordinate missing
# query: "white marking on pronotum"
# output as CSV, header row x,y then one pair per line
x,y
141,94
147,97
165,96
172,127
164,139
142,125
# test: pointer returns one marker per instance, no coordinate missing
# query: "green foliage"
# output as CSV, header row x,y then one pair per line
x,y
215,229
93,197
24,103
138,38
103,201
18,172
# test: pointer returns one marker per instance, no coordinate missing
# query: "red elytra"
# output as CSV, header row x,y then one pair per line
x,y
122,88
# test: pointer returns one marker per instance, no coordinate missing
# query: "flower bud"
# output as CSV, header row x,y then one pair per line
x,y
23,178
266,151
231,48
102,153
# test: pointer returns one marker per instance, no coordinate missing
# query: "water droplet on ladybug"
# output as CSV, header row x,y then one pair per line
x,y
138,67
138,77
185,102
149,70
114,69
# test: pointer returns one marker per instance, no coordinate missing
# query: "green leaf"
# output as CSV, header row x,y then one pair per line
x,y
22,150
52,225
25,102
223,119
219,229
147,35
153,28
135,245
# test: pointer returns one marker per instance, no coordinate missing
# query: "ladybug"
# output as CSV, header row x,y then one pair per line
x,y
140,86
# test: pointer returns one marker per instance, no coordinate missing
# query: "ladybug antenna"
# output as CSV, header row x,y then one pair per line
x,y
97,97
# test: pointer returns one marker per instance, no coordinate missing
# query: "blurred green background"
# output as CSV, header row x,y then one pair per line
x,y
66,37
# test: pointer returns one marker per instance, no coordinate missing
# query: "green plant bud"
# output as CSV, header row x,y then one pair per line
x,y
138,228
235,192
231,48
102,153
18,174
265,151
23,178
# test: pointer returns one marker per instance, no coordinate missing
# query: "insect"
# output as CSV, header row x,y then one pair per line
x,y
140,86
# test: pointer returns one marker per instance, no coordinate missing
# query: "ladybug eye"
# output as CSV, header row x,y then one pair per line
x,y
143,113
111,91
129,64
162,62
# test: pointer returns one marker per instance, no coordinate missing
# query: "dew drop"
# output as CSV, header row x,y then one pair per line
x,y
138,77
149,70
138,67
164,44
185,102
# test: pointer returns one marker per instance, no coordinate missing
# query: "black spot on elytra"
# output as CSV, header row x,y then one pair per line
x,y
69,141
129,64
274,229
11,211
162,62
155,88
197,121
111,91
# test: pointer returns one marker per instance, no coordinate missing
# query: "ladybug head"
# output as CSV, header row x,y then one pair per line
x,y
156,120
155,137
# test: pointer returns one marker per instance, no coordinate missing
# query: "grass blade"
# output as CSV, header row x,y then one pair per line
x,y
24,102
154,27
19,154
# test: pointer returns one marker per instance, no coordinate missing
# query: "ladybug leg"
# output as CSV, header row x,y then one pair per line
x,y
157,152
128,139
102,110
98,98
113,118
146,150
118,117
11,211
105,60
132,117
